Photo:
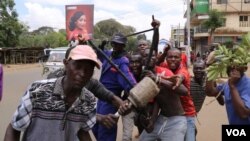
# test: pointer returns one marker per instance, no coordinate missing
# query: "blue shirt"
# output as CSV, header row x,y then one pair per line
x,y
112,79
243,87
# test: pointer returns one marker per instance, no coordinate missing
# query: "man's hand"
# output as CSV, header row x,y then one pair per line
x,y
80,37
102,45
167,47
125,108
155,23
107,120
150,74
176,79
150,126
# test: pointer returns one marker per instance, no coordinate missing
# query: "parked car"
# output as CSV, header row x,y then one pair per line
x,y
55,59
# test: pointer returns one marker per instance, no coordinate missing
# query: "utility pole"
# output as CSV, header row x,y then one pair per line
x,y
188,33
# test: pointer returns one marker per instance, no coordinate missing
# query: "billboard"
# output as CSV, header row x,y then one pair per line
x,y
79,21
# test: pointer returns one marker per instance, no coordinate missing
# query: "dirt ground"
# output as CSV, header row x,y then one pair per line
x,y
208,122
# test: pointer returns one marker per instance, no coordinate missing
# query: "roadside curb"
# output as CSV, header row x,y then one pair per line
x,y
12,67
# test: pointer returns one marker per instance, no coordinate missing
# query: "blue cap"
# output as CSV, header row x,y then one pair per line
x,y
119,38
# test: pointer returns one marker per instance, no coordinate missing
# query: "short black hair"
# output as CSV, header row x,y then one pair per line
x,y
199,61
135,53
174,49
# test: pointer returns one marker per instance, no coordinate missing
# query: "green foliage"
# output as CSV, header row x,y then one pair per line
x,y
10,28
215,20
228,44
239,56
141,36
44,30
43,39
15,34
131,46
104,30
107,28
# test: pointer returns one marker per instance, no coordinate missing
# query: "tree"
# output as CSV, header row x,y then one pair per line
x,y
10,28
44,30
43,37
105,29
141,37
215,20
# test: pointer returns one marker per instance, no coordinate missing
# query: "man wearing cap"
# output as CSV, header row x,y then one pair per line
x,y
114,82
60,109
100,91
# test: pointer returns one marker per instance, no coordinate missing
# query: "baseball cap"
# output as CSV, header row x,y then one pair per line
x,y
83,52
119,38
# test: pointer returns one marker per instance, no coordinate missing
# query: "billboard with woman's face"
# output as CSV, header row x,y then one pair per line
x,y
79,21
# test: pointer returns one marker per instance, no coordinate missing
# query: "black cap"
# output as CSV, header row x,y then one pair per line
x,y
119,38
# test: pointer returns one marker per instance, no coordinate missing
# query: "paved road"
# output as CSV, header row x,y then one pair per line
x,y
15,83
211,117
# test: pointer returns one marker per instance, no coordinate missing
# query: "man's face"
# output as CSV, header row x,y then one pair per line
x,y
199,70
135,64
233,71
142,45
79,72
152,59
174,59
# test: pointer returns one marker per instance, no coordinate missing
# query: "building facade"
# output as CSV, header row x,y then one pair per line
x,y
236,22
177,36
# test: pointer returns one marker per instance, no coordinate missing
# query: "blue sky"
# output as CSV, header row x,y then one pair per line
x,y
136,13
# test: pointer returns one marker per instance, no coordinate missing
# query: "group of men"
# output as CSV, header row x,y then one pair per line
x,y
65,108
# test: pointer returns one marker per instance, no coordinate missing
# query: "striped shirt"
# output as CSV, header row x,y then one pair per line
x,y
198,94
43,116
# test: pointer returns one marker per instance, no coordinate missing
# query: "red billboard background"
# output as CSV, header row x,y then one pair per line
x,y
88,11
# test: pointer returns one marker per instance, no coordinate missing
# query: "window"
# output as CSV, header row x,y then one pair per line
x,y
243,18
243,21
222,39
221,1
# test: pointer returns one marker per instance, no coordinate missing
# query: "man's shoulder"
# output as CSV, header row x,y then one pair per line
x,y
125,59
247,77
245,80
45,81
122,60
184,71
57,73
163,70
44,84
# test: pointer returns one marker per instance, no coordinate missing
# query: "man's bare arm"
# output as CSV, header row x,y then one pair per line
x,y
11,134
